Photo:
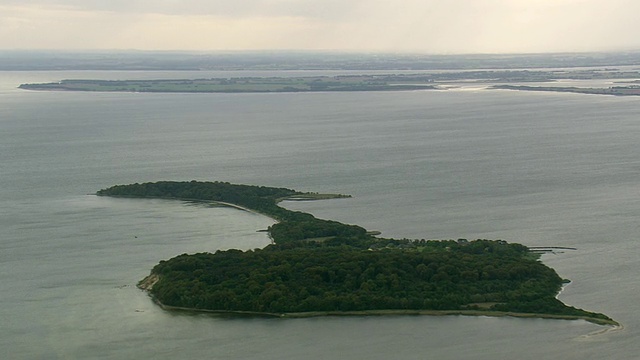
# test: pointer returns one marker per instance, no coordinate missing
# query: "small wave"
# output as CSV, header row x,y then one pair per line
x,y
597,335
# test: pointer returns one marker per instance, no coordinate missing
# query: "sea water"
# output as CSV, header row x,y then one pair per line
x,y
541,169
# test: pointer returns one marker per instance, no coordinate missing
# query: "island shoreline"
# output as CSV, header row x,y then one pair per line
x,y
468,308
147,283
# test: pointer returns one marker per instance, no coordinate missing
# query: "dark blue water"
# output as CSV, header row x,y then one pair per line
x,y
535,168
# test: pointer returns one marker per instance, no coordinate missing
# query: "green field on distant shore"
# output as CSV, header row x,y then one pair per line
x,y
243,85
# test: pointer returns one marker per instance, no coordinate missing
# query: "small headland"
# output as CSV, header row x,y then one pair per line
x,y
614,90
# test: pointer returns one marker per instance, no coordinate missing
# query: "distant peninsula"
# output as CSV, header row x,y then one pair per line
x,y
320,267
633,90
494,79
243,85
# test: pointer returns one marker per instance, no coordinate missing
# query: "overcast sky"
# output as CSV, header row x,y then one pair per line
x,y
419,26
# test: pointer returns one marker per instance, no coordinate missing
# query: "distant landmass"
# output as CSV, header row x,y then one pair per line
x,y
242,85
633,90
497,79
320,267
299,60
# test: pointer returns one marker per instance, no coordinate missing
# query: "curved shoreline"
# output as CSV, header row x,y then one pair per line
x,y
147,283
266,199
298,197
612,91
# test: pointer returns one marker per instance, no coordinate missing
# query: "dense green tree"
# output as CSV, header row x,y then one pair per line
x,y
324,265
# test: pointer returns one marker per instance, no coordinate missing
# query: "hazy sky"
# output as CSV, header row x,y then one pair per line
x,y
424,26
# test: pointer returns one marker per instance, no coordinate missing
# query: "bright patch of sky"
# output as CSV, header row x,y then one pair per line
x,y
422,26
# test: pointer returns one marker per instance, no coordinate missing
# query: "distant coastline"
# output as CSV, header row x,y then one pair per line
x,y
504,79
633,90
243,85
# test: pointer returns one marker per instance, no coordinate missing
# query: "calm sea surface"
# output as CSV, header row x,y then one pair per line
x,y
546,169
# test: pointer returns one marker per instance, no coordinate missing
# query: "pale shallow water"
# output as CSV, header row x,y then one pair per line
x,y
535,168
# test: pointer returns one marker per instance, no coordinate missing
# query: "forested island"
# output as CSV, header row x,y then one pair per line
x,y
321,267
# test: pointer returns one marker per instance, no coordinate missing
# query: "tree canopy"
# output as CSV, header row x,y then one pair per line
x,y
323,265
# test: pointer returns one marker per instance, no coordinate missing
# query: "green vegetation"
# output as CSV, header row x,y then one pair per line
x,y
291,226
320,266
388,82
241,85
